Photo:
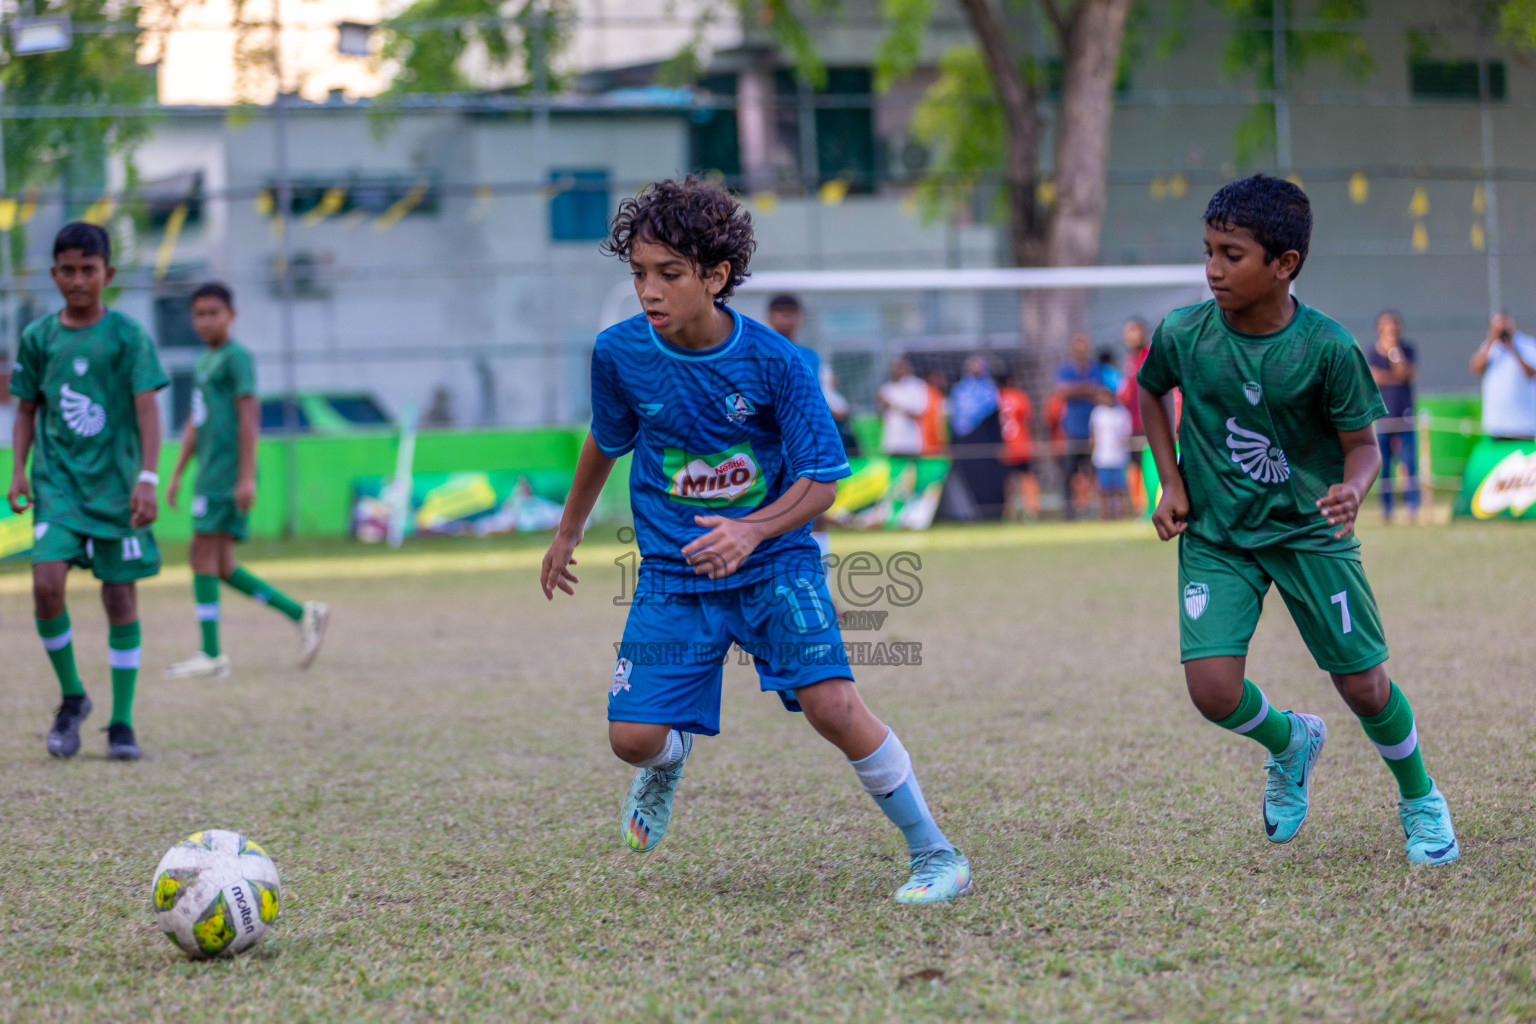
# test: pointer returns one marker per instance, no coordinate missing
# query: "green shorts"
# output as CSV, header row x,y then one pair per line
x,y
1222,590
219,515
110,559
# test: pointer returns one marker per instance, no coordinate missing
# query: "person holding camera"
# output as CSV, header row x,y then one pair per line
x,y
1394,363
1506,364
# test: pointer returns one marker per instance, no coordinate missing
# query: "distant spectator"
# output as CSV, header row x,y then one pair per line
x,y
973,398
1078,384
934,422
1015,414
902,400
440,412
1394,363
1110,424
842,412
1133,335
786,316
1506,363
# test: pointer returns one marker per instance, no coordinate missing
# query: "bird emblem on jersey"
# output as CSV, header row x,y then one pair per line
x,y
738,407
1256,455
84,416
1252,392
81,365
1196,597
621,673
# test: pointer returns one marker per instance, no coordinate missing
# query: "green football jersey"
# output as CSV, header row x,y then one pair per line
x,y
1259,438
220,376
86,459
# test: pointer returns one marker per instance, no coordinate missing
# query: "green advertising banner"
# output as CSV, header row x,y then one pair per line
x,y
464,504
15,531
1499,482
886,493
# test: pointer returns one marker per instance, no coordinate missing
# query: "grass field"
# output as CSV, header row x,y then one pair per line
x,y
439,797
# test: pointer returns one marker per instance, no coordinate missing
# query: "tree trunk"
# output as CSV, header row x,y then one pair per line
x,y
1026,228
1090,44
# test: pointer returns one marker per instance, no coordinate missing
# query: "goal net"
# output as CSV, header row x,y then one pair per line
x,y
1020,319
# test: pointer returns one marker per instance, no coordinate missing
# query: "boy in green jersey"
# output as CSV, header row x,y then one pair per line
x,y
221,433
85,383
1276,452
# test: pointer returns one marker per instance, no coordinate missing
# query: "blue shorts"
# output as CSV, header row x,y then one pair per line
x,y
1111,479
671,661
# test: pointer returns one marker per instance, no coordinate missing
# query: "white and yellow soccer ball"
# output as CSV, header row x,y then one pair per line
x,y
215,893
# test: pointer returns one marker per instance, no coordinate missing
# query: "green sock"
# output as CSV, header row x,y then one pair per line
x,y
123,652
1397,738
1255,718
59,642
265,593
205,591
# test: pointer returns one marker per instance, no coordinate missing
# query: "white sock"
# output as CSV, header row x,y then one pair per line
x,y
670,753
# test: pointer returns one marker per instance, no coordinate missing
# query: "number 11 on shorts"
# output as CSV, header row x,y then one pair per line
x,y
1342,600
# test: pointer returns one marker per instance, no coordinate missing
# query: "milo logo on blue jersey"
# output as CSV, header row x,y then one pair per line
x,y
731,477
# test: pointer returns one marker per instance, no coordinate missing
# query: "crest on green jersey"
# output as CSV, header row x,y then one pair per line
x,y
1256,455
83,416
1252,392
1196,597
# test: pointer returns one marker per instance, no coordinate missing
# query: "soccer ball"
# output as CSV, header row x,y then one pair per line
x,y
215,893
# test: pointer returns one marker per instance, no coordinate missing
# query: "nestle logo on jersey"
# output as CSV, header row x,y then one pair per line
x,y
725,478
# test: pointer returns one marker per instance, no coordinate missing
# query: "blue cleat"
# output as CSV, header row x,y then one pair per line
x,y
1287,792
647,809
1427,827
936,877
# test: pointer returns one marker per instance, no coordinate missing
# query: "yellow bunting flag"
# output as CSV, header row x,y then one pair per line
x,y
833,192
1295,179
1420,237
266,204
1479,238
1418,206
1045,192
482,204
1479,200
7,214
765,203
1178,185
330,202
402,206
100,211
173,225
1158,189
1359,188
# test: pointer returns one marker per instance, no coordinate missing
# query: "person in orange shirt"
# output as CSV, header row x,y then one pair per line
x,y
1016,415
935,419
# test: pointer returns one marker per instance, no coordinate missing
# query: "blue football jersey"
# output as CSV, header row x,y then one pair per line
x,y
724,432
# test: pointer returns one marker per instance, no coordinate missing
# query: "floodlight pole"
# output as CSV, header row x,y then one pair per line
x,y
1490,187
1282,97
284,207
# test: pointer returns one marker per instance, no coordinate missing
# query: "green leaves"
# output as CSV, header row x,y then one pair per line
x,y
449,46
960,120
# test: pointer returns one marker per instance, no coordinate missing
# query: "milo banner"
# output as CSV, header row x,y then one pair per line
x,y
464,504
889,493
1500,481
15,531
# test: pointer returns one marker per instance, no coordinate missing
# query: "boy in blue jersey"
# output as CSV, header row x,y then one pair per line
x,y
734,453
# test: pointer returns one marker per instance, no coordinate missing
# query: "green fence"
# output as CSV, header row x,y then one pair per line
x,y
327,467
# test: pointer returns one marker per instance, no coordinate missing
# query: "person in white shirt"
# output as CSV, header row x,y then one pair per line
x,y
1110,427
1506,363
902,400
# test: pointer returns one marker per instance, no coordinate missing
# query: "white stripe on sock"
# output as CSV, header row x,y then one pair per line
x,y
1398,751
1253,723
208,612
58,643
670,753
124,658
883,772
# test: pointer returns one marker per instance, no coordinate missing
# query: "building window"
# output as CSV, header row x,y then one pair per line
x,y
164,195
844,119
1453,80
173,321
317,197
715,132
578,207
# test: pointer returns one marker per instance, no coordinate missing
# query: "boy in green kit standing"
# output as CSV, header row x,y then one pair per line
x,y
221,433
85,383
1276,453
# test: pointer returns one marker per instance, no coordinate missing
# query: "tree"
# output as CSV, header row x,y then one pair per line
x,y
100,71
453,46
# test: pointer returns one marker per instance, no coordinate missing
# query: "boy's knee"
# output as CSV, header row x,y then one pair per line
x,y
1366,692
633,742
120,602
48,598
829,706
